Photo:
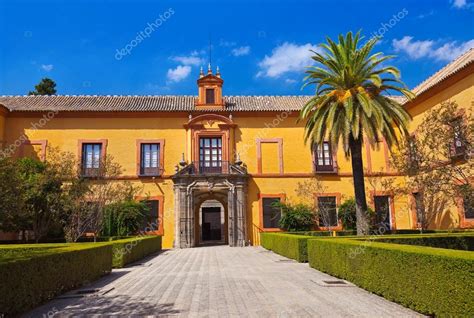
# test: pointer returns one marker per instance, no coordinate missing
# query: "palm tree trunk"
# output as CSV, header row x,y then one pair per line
x,y
355,146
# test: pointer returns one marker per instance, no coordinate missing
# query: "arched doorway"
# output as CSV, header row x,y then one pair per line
x,y
192,189
212,223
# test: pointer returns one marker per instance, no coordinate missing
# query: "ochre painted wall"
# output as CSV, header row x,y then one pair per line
x,y
123,132
2,125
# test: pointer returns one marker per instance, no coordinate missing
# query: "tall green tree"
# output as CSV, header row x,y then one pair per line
x,y
42,194
352,103
12,216
45,87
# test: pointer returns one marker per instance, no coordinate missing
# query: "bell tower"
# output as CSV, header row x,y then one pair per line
x,y
210,89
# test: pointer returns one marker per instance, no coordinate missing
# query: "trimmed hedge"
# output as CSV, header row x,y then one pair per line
x,y
289,245
417,232
449,241
429,280
133,249
33,274
323,233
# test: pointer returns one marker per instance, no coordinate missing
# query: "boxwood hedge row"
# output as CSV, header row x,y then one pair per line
x,y
429,280
289,245
133,249
31,275
453,241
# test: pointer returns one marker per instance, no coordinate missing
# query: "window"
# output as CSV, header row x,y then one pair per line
x,y
91,158
459,143
419,207
323,157
151,222
210,155
327,211
382,211
210,98
150,159
413,156
271,214
468,206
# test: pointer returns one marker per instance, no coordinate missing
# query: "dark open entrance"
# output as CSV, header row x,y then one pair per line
x,y
211,224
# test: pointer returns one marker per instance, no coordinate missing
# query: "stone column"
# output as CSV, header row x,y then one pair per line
x,y
190,220
177,217
241,223
185,217
231,216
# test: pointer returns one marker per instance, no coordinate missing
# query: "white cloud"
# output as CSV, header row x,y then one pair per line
x,y
451,50
47,67
414,49
426,14
191,59
288,57
241,51
462,4
224,43
459,4
290,81
179,73
431,49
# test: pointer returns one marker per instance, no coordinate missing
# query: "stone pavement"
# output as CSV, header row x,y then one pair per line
x,y
221,281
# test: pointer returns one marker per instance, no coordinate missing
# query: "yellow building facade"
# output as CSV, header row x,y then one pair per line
x,y
211,165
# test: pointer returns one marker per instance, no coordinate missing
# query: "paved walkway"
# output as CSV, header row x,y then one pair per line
x,y
221,281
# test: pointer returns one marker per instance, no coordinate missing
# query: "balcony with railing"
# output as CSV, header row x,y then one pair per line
x,y
211,167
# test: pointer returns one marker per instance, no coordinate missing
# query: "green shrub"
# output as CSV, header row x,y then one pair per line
x,y
33,274
123,218
449,241
347,214
324,233
432,281
299,217
133,249
289,245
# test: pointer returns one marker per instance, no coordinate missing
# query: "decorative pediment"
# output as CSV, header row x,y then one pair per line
x,y
210,121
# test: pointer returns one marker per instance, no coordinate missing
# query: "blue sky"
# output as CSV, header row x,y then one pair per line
x,y
261,47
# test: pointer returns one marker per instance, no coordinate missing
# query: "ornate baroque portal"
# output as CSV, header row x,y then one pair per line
x,y
210,176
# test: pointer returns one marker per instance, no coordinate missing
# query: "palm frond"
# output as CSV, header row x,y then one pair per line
x,y
352,85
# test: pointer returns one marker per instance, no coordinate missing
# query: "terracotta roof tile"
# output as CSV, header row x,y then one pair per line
x,y
68,103
147,103
96,103
452,68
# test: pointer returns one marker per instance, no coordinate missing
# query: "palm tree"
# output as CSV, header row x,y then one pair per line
x,y
352,104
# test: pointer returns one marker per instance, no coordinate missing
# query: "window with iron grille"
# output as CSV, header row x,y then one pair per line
x,y
468,205
91,158
327,211
150,159
419,207
413,155
271,213
323,157
459,143
151,221
382,211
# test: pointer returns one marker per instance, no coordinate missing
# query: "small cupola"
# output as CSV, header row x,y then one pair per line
x,y
210,89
